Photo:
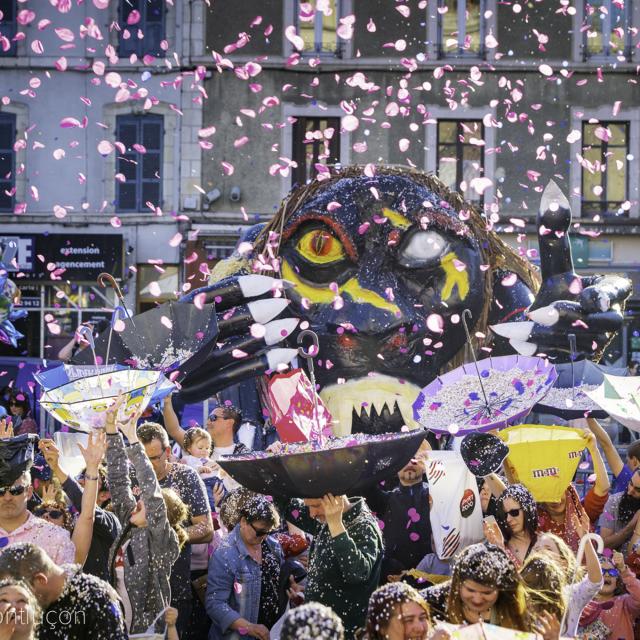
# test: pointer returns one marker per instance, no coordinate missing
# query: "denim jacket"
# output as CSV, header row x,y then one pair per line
x,y
233,585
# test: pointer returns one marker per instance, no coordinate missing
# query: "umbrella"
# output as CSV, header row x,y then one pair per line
x,y
82,403
544,457
175,333
568,398
619,396
55,377
488,394
342,466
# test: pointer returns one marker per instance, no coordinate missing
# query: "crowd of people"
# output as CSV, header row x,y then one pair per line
x,y
154,538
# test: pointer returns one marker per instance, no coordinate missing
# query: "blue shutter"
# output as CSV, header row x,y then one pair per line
x,y
143,171
152,25
8,25
7,160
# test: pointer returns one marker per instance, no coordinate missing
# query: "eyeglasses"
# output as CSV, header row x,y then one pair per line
x,y
14,491
52,513
158,457
614,573
213,417
259,532
13,403
514,513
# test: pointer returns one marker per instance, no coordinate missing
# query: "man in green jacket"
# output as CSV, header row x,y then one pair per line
x,y
345,556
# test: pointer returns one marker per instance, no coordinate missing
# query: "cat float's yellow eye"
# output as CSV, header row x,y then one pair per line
x,y
320,247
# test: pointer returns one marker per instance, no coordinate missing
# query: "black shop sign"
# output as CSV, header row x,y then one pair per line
x,y
83,257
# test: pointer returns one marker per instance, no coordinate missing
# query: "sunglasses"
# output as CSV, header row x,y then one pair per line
x,y
514,513
213,417
259,532
614,573
14,491
52,513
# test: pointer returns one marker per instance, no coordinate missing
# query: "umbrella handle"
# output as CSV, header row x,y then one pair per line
x,y
309,356
106,279
573,350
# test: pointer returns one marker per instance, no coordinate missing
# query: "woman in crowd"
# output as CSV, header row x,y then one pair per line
x,y
579,586
398,612
485,586
546,588
141,558
518,520
244,583
21,416
19,611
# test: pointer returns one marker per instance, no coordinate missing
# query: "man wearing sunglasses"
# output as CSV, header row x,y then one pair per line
x,y
621,515
17,524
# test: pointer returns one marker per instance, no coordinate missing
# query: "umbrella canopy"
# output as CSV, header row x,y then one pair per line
x,y
55,377
83,403
175,333
343,466
455,403
544,457
568,398
620,398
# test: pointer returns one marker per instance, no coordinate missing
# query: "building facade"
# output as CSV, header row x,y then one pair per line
x,y
496,98
147,144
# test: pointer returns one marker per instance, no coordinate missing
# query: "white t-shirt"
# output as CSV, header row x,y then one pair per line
x,y
578,596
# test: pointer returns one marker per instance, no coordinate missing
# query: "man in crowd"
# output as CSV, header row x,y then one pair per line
x,y
17,523
561,517
76,605
186,482
345,557
404,513
620,516
222,425
106,527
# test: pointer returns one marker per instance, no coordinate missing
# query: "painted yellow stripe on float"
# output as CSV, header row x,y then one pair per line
x,y
323,295
453,277
396,219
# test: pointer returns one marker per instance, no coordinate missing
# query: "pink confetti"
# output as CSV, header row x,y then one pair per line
x,y
166,322
37,48
258,330
292,36
435,323
510,280
66,35
228,168
545,70
350,123
199,300
176,240
25,16
69,122
154,289
133,17
105,147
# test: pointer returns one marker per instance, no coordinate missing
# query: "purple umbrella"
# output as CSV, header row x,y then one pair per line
x,y
486,395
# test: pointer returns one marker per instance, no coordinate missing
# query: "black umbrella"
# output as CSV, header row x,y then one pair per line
x,y
567,398
338,470
175,333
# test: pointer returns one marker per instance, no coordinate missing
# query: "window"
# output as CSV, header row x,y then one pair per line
x,y
139,179
143,27
316,140
317,26
7,27
605,176
461,28
606,29
600,250
460,156
7,161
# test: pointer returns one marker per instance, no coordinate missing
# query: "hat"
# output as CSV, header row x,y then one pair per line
x,y
16,457
483,453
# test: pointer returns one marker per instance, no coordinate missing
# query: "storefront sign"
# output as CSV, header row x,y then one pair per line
x,y
82,256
